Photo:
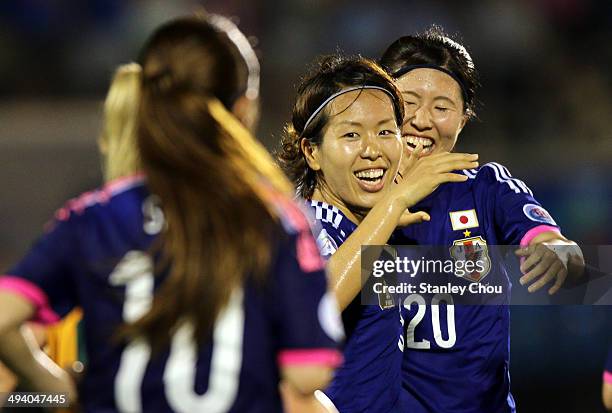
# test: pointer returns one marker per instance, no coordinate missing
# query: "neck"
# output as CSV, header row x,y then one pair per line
x,y
355,215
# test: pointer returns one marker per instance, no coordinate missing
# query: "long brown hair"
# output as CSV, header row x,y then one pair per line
x,y
213,178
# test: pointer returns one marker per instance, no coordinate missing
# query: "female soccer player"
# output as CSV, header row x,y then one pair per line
x,y
456,359
342,150
200,287
120,159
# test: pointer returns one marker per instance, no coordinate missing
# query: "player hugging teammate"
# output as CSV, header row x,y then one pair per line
x,y
200,282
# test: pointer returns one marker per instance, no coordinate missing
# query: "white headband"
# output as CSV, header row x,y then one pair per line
x,y
342,92
244,48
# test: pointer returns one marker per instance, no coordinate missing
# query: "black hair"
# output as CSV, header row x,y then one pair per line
x,y
435,48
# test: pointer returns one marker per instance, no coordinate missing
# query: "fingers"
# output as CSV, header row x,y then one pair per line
x,y
456,163
542,260
524,252
398,178
409,218
454,157
548,276
447,162
561,276
412,159
543,265
451,177
533,254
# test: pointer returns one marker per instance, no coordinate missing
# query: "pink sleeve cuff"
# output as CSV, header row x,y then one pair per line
x,y
32,293
607,377
324,356
534,232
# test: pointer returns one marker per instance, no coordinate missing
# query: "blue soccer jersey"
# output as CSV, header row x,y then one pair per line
x,y
94,255
456,357
369,380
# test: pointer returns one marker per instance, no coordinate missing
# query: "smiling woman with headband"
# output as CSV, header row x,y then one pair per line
x,y
342,150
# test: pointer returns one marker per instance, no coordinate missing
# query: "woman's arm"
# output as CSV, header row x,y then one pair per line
x,y
20,352
421,177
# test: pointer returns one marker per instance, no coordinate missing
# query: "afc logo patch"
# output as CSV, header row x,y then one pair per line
x,y
538,214
472,249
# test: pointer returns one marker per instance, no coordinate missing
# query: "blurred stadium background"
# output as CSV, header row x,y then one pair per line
x,y
546,113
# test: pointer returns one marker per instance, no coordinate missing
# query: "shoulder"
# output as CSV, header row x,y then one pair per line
x,y
111,193
326,214
293,218
496,174
331,227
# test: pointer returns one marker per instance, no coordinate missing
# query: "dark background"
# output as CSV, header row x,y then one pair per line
x,y
546,114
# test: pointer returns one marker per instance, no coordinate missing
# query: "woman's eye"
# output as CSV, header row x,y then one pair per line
x,y
350,135
441,109
386,132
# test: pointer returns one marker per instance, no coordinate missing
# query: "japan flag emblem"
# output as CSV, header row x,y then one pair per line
x,y
463,219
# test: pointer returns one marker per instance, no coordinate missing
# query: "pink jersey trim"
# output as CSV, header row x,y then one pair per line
x,y
120,184
328,357
607,377
534,232
32,293
98,196
308,255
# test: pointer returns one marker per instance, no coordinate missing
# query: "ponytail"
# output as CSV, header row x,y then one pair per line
x,y
118,138
215,183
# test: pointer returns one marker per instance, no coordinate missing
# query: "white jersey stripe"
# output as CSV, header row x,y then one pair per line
x,y
510,183
505,172
468,174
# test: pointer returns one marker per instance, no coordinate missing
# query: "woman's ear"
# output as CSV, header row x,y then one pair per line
x,y
311,153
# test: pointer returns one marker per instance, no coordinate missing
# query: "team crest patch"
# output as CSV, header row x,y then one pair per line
x,y
472,249
538,214
463,219
385,300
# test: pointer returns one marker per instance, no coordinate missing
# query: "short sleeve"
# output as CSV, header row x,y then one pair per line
x,y
517,215
309,324
45,275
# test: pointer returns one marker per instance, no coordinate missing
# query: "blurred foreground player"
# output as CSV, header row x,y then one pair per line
x,y
456,358
190,296
342,150
606,388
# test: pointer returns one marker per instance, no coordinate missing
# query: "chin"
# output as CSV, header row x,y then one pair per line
x,y
367,201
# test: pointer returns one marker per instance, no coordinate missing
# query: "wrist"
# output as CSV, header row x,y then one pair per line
x,y
395,206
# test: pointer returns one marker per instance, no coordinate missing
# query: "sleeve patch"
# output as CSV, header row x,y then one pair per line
x,y
327,245
538,214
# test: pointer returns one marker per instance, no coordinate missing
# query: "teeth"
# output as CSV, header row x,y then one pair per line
x,y
370,173
415,140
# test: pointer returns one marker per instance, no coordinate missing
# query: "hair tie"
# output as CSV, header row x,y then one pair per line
x,y
335,95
